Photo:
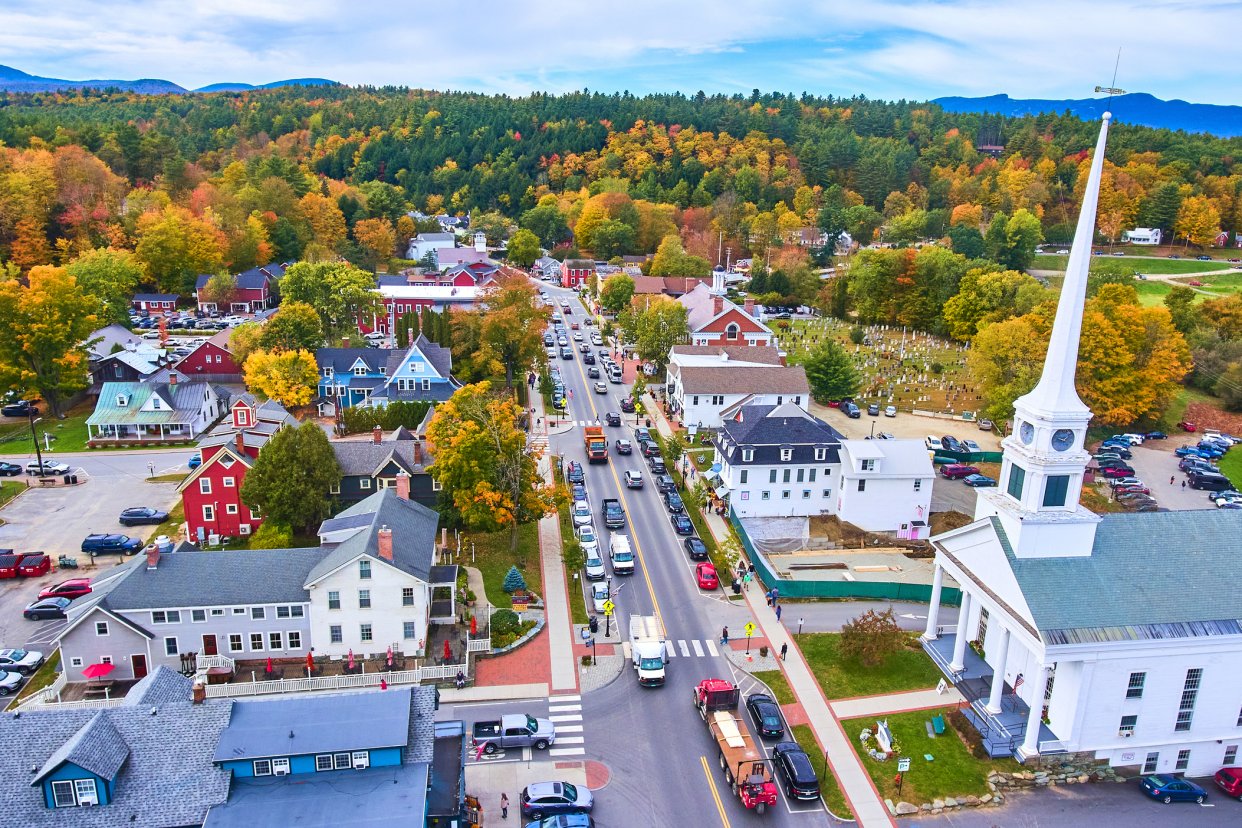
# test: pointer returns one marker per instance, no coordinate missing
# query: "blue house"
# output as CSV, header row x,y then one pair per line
x,y
374,376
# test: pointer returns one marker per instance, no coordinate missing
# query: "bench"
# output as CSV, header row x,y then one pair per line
x,y
938,724
931,734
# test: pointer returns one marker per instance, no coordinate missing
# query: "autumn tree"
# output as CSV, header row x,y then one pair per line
x,y
295,327
1197,221
617,292
290,378
872,637
327,226
176,246
220,290
508,322
613,238
523,248
377,239
654,327
488,473
292,478
339,293
1007,357
111,276
47,324
244,341
830,372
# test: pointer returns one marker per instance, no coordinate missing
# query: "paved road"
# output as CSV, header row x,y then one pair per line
x,y
54,521
652,739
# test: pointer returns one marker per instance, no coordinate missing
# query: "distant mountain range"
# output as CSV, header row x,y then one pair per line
x,y
15,80
1139,108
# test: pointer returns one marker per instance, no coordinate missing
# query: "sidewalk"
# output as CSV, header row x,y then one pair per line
x,y
555,592
895,703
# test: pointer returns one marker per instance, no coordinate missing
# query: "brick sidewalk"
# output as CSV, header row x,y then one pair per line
x,y
528,664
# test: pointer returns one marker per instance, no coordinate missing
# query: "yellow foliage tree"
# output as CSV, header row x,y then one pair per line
x,y
327,223
290,378
1198,221
593,215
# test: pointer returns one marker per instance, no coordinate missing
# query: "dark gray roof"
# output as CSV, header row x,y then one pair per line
x,y
1157,568
766,428
204,578
97,748
155,297
342,360
440,358
312,724
160,686
340,524
413,528
420,746
443,574
402,433
252,279
167,780
439,392
358,457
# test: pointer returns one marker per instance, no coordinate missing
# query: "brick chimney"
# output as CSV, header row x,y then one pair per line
x,y
403,485
750,306
172,378
344,341
717,305
418,452
385,543
241,443
199,693
153,556
377,436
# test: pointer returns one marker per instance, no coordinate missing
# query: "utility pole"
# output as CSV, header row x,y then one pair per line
x,y
34,435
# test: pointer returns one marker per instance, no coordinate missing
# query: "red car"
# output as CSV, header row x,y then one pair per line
x,y
1186,426
1230,781
574,326
32,566
1133,489
1196,284
954,471
71,589
706,574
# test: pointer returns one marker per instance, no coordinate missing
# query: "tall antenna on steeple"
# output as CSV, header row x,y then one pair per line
x,y
1113,90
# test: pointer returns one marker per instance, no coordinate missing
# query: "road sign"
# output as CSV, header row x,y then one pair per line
x,y
608,607
903,765
750,629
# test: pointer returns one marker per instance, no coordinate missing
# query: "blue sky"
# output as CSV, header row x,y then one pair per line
x,y
886,49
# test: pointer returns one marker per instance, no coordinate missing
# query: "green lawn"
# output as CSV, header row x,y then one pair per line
x,y
43,678
1162,267
828,787
775,679
845,678
1231,467
493,559
1176,411
953,771
10,489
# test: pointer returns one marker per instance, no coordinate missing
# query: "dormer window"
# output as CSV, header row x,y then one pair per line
x,y
748,455
121,401
867,465
731,333
327,371
360,371
821,453
786,455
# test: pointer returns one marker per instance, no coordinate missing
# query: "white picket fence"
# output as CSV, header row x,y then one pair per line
x,y
479,645
84,704
45,695
300,685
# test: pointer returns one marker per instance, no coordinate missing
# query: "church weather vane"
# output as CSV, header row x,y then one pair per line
x,y
1112,90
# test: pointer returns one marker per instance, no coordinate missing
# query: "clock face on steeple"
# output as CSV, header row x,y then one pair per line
x,y
1027,432
1062,439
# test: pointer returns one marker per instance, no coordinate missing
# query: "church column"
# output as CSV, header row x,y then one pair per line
x,y
959,643
1030,744
998,676
933,609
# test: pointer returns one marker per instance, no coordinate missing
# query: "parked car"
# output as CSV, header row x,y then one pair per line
x,y
971,445
46,608
682,525
672,501
650,449
1125,481
705,575
954,471
766,714
1184,426
10,683
1132,490
544,798
664,483
103,544
581,513
564,821
980,480
1157,435
21,408
633,479
1209,480
599,596
73,588
612,418
1229,780
10,470
951,443
794,768
985,425
933,443
624,447
695,549
1118,470
21,661
1172,789
49,467
873,409
135,517
851,410
575,474
891,411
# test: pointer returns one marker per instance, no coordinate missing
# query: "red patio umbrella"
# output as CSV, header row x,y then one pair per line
x,y
351,658
474,625
389,656
269,664
97,670
447,652
310,664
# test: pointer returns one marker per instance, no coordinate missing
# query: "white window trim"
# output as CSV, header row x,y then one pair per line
x,y
265,764
104,625
230,508
272,649
289,645
203,620
176,645
230,482
241,648
204,485
262,642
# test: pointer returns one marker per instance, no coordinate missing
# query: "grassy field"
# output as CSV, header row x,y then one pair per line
x,y
43,678
1161,267
10,489
828,787
953,771
775,679
1177,410
493,559
845,678
1231,467
68,434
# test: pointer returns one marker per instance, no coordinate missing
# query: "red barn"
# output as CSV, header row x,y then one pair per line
x,y
254,290
211,494
212,361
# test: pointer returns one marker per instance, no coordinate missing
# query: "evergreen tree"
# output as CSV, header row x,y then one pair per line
x,y
513,580
830,372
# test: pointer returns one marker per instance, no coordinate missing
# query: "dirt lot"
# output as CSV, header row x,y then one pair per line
x,y
906,426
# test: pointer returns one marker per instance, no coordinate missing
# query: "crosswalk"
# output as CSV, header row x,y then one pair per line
x,y
699,646
565,713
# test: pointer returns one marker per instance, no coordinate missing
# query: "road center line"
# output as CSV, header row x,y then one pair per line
x,y
724,819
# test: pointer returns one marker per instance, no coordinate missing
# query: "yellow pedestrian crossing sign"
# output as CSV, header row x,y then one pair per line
x,y
608,607
750,629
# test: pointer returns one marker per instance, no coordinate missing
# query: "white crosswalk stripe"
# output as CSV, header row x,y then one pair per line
x,y
698,648
564,708
684,649
673,645
711,648
567,752
569,729
570,740
568,717
670,649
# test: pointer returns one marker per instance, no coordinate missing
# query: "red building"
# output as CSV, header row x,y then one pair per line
x,y
154,301
212,361
254,290
577,272
211,495
714,320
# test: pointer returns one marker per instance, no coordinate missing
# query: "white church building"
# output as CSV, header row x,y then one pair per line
x,y
1116,635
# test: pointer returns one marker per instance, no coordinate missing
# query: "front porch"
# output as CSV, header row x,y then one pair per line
x,y
1003,732
116,434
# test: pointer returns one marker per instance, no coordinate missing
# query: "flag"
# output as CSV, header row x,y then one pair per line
x,y
1017,682
571,393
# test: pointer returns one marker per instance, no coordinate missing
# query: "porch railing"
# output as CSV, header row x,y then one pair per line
x,y
479,645
942,662
991,729
46,694
207,662
299,685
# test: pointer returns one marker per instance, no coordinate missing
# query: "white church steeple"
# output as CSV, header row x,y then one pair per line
x,y
1045,458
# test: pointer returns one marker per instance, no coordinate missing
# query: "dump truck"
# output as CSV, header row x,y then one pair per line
x,y
614,515
621,554
745,766
648,649
711,695
596,445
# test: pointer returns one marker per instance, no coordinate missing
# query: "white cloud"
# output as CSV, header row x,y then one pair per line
x,y
887,48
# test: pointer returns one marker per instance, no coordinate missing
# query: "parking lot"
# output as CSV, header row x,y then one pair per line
x,y
1155,464
54,522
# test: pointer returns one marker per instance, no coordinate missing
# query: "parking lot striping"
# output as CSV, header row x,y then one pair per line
x,y
698,648
711,648
711,783
684,649
564,708
569,729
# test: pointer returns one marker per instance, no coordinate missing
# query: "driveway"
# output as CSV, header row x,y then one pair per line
x,y
54,521
1156,466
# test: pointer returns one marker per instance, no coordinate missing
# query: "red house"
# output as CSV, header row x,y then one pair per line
x,y
211,494
154,301
577,272
254,290
714,320
212,361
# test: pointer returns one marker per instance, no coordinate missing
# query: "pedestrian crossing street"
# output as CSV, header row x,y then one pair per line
x,y
565,713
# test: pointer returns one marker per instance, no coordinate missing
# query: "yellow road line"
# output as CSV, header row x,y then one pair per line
x,y
716,796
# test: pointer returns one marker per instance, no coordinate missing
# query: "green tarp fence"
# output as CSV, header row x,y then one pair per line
x,y
944,456
873,590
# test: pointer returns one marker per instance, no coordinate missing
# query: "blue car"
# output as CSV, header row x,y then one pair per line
x,y
979,480
196,461
1170,788
1188,451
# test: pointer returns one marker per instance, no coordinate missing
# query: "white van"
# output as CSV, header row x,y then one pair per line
x,y
614,374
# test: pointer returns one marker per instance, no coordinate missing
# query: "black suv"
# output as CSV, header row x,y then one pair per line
x,y
575,472
103,544
627,405
651,449
612,418
664,483
795,770
673,501
21,408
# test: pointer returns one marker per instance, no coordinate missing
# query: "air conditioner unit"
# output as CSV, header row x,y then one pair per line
x,y
85,799
361,762
245,528
280,772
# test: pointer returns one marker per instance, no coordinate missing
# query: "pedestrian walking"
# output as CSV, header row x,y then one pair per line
x,y
776,595
1183,485
504,806
746,583
784,649
778,612
724,637
1171,477
767,596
